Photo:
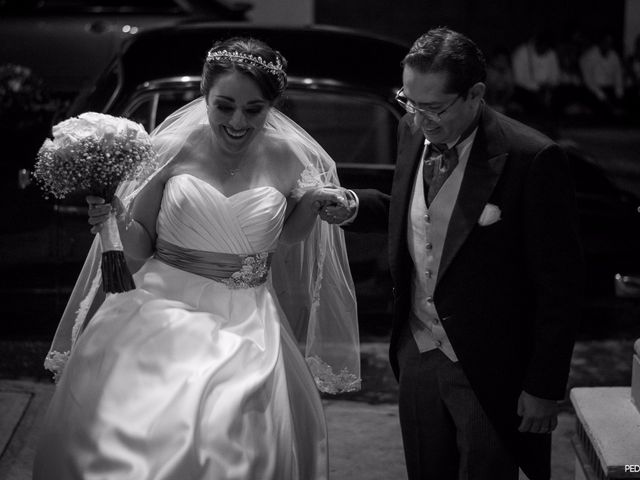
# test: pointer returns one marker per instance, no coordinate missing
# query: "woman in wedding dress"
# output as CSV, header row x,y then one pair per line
x,y
197,372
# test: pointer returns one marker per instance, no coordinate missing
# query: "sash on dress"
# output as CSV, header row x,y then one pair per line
x,y
235,271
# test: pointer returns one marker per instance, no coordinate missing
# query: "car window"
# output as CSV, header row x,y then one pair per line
x,y
351,128
150,109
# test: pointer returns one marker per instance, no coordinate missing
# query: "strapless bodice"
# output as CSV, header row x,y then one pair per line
x,y
196,215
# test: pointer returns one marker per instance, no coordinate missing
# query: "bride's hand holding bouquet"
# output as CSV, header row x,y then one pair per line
x,y
92,154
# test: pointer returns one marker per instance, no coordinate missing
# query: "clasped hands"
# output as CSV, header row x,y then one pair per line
x,y
334,204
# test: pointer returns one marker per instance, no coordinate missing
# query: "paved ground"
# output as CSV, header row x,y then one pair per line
x,y
364,433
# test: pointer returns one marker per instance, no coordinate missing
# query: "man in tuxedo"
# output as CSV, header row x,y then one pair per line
x,y
486,265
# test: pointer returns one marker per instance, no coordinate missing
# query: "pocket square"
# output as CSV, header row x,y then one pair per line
x,y
490,214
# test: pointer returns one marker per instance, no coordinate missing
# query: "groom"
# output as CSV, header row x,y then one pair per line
x,y
486,265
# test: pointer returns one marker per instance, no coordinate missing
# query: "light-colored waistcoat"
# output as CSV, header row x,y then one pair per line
x,y
427,230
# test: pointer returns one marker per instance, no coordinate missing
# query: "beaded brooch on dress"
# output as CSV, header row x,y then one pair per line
x,y
252,273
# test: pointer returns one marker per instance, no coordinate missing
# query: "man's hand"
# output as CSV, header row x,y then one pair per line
x,y
539,415
340,209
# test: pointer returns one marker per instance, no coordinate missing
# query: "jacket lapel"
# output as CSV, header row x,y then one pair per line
x,y
409,145
486,161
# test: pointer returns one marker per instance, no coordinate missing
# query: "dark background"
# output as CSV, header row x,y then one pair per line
x,y
490,23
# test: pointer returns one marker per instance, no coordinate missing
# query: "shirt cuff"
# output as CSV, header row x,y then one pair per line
x,y
353,199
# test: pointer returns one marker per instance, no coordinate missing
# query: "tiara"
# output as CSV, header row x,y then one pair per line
x,y
273,68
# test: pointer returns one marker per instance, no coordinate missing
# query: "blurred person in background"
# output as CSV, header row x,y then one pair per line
x,y
571,96
633,80
536,72
603,75
500,83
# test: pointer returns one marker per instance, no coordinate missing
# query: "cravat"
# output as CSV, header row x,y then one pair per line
x,y
439,162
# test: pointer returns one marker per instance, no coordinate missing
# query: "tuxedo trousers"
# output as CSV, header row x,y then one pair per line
x,y
445,432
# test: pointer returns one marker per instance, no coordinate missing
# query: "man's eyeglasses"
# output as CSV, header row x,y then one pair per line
x,y
411,108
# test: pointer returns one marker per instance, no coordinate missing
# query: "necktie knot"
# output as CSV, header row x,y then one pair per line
x,y
438,165
444,157
438,148
440,161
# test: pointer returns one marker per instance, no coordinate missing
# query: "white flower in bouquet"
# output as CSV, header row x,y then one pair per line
x,y
92,154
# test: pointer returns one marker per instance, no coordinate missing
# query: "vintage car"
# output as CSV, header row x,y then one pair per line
x,y
341,89
68,43
342,85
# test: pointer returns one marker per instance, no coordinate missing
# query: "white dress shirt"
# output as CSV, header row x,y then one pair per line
x,y
532,70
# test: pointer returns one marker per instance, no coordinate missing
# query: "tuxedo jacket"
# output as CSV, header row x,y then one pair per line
x,y
507,293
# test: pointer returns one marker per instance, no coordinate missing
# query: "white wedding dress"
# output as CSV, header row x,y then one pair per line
x,y
183,377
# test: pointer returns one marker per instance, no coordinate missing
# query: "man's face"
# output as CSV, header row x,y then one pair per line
x,y
428,91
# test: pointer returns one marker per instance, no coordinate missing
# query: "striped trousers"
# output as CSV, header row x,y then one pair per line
x,y
445,432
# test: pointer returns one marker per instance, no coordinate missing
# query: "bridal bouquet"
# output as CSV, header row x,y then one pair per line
x,y
92,154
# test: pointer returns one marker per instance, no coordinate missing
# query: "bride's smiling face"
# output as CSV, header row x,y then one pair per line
x,y
237,111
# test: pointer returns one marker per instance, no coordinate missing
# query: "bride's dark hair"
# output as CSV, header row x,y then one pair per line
x,y
252,57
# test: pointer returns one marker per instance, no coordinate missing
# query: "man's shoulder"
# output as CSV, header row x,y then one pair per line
x,y
519,136
517,127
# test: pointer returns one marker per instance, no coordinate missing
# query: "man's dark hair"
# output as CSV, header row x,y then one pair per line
x,y
444,50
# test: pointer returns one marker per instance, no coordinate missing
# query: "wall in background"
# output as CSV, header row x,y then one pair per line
x,y
282,12
631,25
490,23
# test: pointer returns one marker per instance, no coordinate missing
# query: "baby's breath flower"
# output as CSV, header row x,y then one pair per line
x,y
93,152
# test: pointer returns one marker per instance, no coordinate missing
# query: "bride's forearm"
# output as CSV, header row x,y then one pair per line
x,y
136,240
300,221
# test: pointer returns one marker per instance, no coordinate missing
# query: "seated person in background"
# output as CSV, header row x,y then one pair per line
x,y
603,76
632,94
571,96
500,80
536,73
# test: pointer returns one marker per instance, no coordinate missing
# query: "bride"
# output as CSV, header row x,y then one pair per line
x,y
197,373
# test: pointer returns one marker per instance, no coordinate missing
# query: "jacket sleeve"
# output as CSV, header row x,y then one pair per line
x,y
555,264
373,212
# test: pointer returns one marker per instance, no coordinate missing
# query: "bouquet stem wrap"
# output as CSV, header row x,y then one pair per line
x,y
93,154
116,276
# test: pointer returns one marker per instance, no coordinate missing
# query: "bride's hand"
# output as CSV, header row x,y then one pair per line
x,y
99,211
329,196
335,204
